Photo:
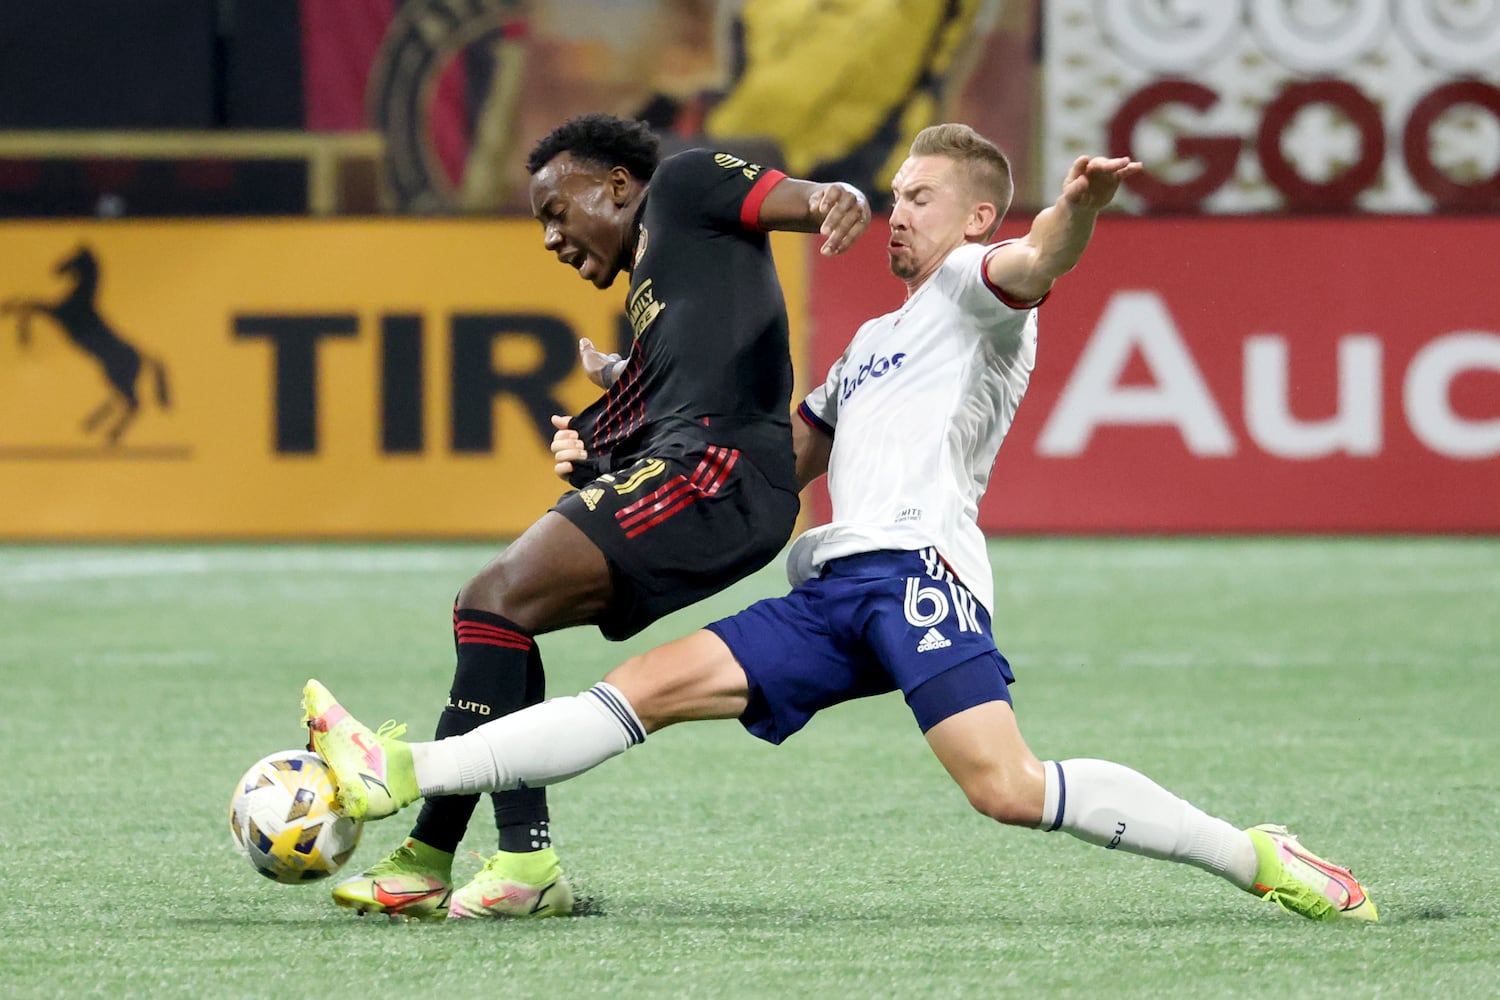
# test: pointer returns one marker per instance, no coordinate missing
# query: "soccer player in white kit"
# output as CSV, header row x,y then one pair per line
x,y
895,592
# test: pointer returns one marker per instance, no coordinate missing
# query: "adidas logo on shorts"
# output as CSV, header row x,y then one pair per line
x,y
933,640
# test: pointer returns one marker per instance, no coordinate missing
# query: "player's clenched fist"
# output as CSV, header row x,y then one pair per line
x,y
843,213
567,447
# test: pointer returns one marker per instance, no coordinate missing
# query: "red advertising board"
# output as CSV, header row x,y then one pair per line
x,y
1244,374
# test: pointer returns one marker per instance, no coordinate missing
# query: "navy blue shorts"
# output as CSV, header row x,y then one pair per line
x,y
870,624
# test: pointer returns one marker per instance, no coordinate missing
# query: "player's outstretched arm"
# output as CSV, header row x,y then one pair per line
x,y
839,211
1027,268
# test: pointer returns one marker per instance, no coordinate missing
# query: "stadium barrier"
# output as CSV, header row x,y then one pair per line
x,y
339,165
295,378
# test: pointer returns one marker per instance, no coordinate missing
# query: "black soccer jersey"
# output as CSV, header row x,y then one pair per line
x,y
710,358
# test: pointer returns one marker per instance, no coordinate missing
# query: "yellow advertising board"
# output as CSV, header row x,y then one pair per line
x,y
292,378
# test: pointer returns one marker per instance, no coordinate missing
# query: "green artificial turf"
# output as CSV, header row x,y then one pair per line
x,y
1346,687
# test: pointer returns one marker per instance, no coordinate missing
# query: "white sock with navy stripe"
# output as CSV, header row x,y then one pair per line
x,y
540,745
1114,807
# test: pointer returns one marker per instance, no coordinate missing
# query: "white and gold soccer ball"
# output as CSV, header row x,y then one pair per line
x,y
284,821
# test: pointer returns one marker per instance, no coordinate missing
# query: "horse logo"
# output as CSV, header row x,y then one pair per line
x,y
78,317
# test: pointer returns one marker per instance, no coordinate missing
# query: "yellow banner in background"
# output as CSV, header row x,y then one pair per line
x,y
292,379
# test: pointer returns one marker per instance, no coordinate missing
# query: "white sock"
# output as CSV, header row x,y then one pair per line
x,y
540,745
1112,806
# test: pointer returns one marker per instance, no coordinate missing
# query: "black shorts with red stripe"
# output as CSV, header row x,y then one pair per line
x,y
679,525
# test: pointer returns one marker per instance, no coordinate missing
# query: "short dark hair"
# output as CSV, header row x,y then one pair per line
x,y
602,139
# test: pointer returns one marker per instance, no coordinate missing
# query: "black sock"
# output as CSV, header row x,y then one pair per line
x,y
493,678
516,815
521,815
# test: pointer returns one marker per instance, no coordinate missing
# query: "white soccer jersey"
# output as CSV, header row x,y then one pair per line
x,y
918,406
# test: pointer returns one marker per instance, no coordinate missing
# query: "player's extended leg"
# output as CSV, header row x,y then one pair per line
x,y
549,578
1112,806
377,774
692,678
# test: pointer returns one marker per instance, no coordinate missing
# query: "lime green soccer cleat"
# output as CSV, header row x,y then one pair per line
x,y
1299,881
515,885
414,882
372,770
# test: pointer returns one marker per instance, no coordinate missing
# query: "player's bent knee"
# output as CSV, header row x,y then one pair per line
x,y
1008,794
1004,806
500,589
695,678
535,596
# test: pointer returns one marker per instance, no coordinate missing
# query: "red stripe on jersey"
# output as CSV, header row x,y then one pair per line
x,y
682,503
705,482
664,493
632,408
1000,293
734,456
627,389
712,461
708,468
750,207
661,516
682,489
704,465
650,497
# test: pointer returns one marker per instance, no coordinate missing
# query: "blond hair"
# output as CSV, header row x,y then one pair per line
x,y
985,166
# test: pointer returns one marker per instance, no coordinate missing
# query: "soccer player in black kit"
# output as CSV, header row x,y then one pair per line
x,y
690,483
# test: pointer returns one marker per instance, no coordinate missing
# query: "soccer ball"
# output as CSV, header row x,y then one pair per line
x,y
283,820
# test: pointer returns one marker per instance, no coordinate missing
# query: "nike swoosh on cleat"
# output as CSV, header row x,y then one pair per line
x,y
488,901
372,754
397,901
1339,876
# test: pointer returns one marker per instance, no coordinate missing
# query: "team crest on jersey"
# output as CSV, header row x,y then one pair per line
x,y
729,162
640,248
642,308
591,497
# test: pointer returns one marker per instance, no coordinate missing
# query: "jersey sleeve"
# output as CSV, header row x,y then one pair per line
x,y
967,282
714,190
821,407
